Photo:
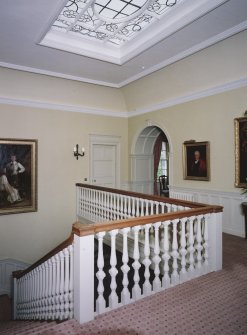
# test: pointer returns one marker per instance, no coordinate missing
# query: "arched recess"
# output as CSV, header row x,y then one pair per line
x,y
142,158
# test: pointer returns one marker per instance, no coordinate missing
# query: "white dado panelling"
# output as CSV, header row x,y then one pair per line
x,y
233,217
7,266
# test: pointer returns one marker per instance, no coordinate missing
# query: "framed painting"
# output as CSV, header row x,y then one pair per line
x,y
240,151
18,176
196,160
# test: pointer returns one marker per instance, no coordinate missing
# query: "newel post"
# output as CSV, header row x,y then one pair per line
x,y
215,241
84,278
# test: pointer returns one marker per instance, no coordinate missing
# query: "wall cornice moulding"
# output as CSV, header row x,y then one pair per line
x,y
103,112
61,107
191,97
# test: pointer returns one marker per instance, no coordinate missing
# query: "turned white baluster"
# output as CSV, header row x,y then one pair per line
x,y
100,302
121,206
129,207
118,207
157,207
133,212
175,254
169,208
147,262
205,244
114,207
46,299
61,288
183,251
53,294
136,292
137,207
166,281
125,294
57,297
146,208
49,297
191,248
71,281
113,298
107,206
66,283
156,259
199,246
125,207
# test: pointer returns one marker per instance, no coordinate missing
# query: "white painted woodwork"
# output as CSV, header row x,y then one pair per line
x,y
233,217
105,160
183,251
100,302
125,294
136,291
7,266
83,280
175,254
166,281
174,251
156,259
147,262
113,298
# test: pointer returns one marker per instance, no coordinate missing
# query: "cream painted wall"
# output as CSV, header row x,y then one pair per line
x,y
208,119
28,236
221,63
28,86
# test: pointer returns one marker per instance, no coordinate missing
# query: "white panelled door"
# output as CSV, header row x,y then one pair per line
x,y
103,169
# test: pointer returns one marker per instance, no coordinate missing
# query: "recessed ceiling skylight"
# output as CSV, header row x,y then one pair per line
x,y
111,21
117,30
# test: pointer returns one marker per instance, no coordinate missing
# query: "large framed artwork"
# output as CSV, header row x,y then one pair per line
x,y
196,160
18,176
240,151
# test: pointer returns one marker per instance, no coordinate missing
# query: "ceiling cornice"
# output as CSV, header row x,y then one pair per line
x,y
191,97
198,47
155,107
56,74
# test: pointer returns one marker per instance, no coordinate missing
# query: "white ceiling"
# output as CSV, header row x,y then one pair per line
x,y
23,24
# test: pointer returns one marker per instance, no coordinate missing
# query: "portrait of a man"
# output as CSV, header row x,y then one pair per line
x,y
196,160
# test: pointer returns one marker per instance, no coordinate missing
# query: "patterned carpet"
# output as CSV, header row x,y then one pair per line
x,y
215,304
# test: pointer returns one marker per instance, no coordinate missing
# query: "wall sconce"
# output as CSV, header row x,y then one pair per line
x,y
77,153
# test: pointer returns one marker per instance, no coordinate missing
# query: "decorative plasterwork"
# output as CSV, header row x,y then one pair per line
x,y
118,30
164,104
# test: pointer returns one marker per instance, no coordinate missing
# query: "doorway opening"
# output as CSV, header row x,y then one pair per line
x,y
150,162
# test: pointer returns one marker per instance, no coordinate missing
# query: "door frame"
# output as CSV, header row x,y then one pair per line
x,y
96,139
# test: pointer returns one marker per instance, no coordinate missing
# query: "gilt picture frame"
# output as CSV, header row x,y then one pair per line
x,y
196,160
240,129
18,176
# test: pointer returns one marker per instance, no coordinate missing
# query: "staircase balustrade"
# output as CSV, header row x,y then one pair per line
x,y
162,242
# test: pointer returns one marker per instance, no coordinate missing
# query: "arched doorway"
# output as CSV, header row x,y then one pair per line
x,y
149,159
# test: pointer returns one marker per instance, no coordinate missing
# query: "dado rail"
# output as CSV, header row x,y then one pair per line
x,y
125,246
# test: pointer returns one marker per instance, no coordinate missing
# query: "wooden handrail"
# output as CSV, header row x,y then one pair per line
x,y
60,247
82,229
144,196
